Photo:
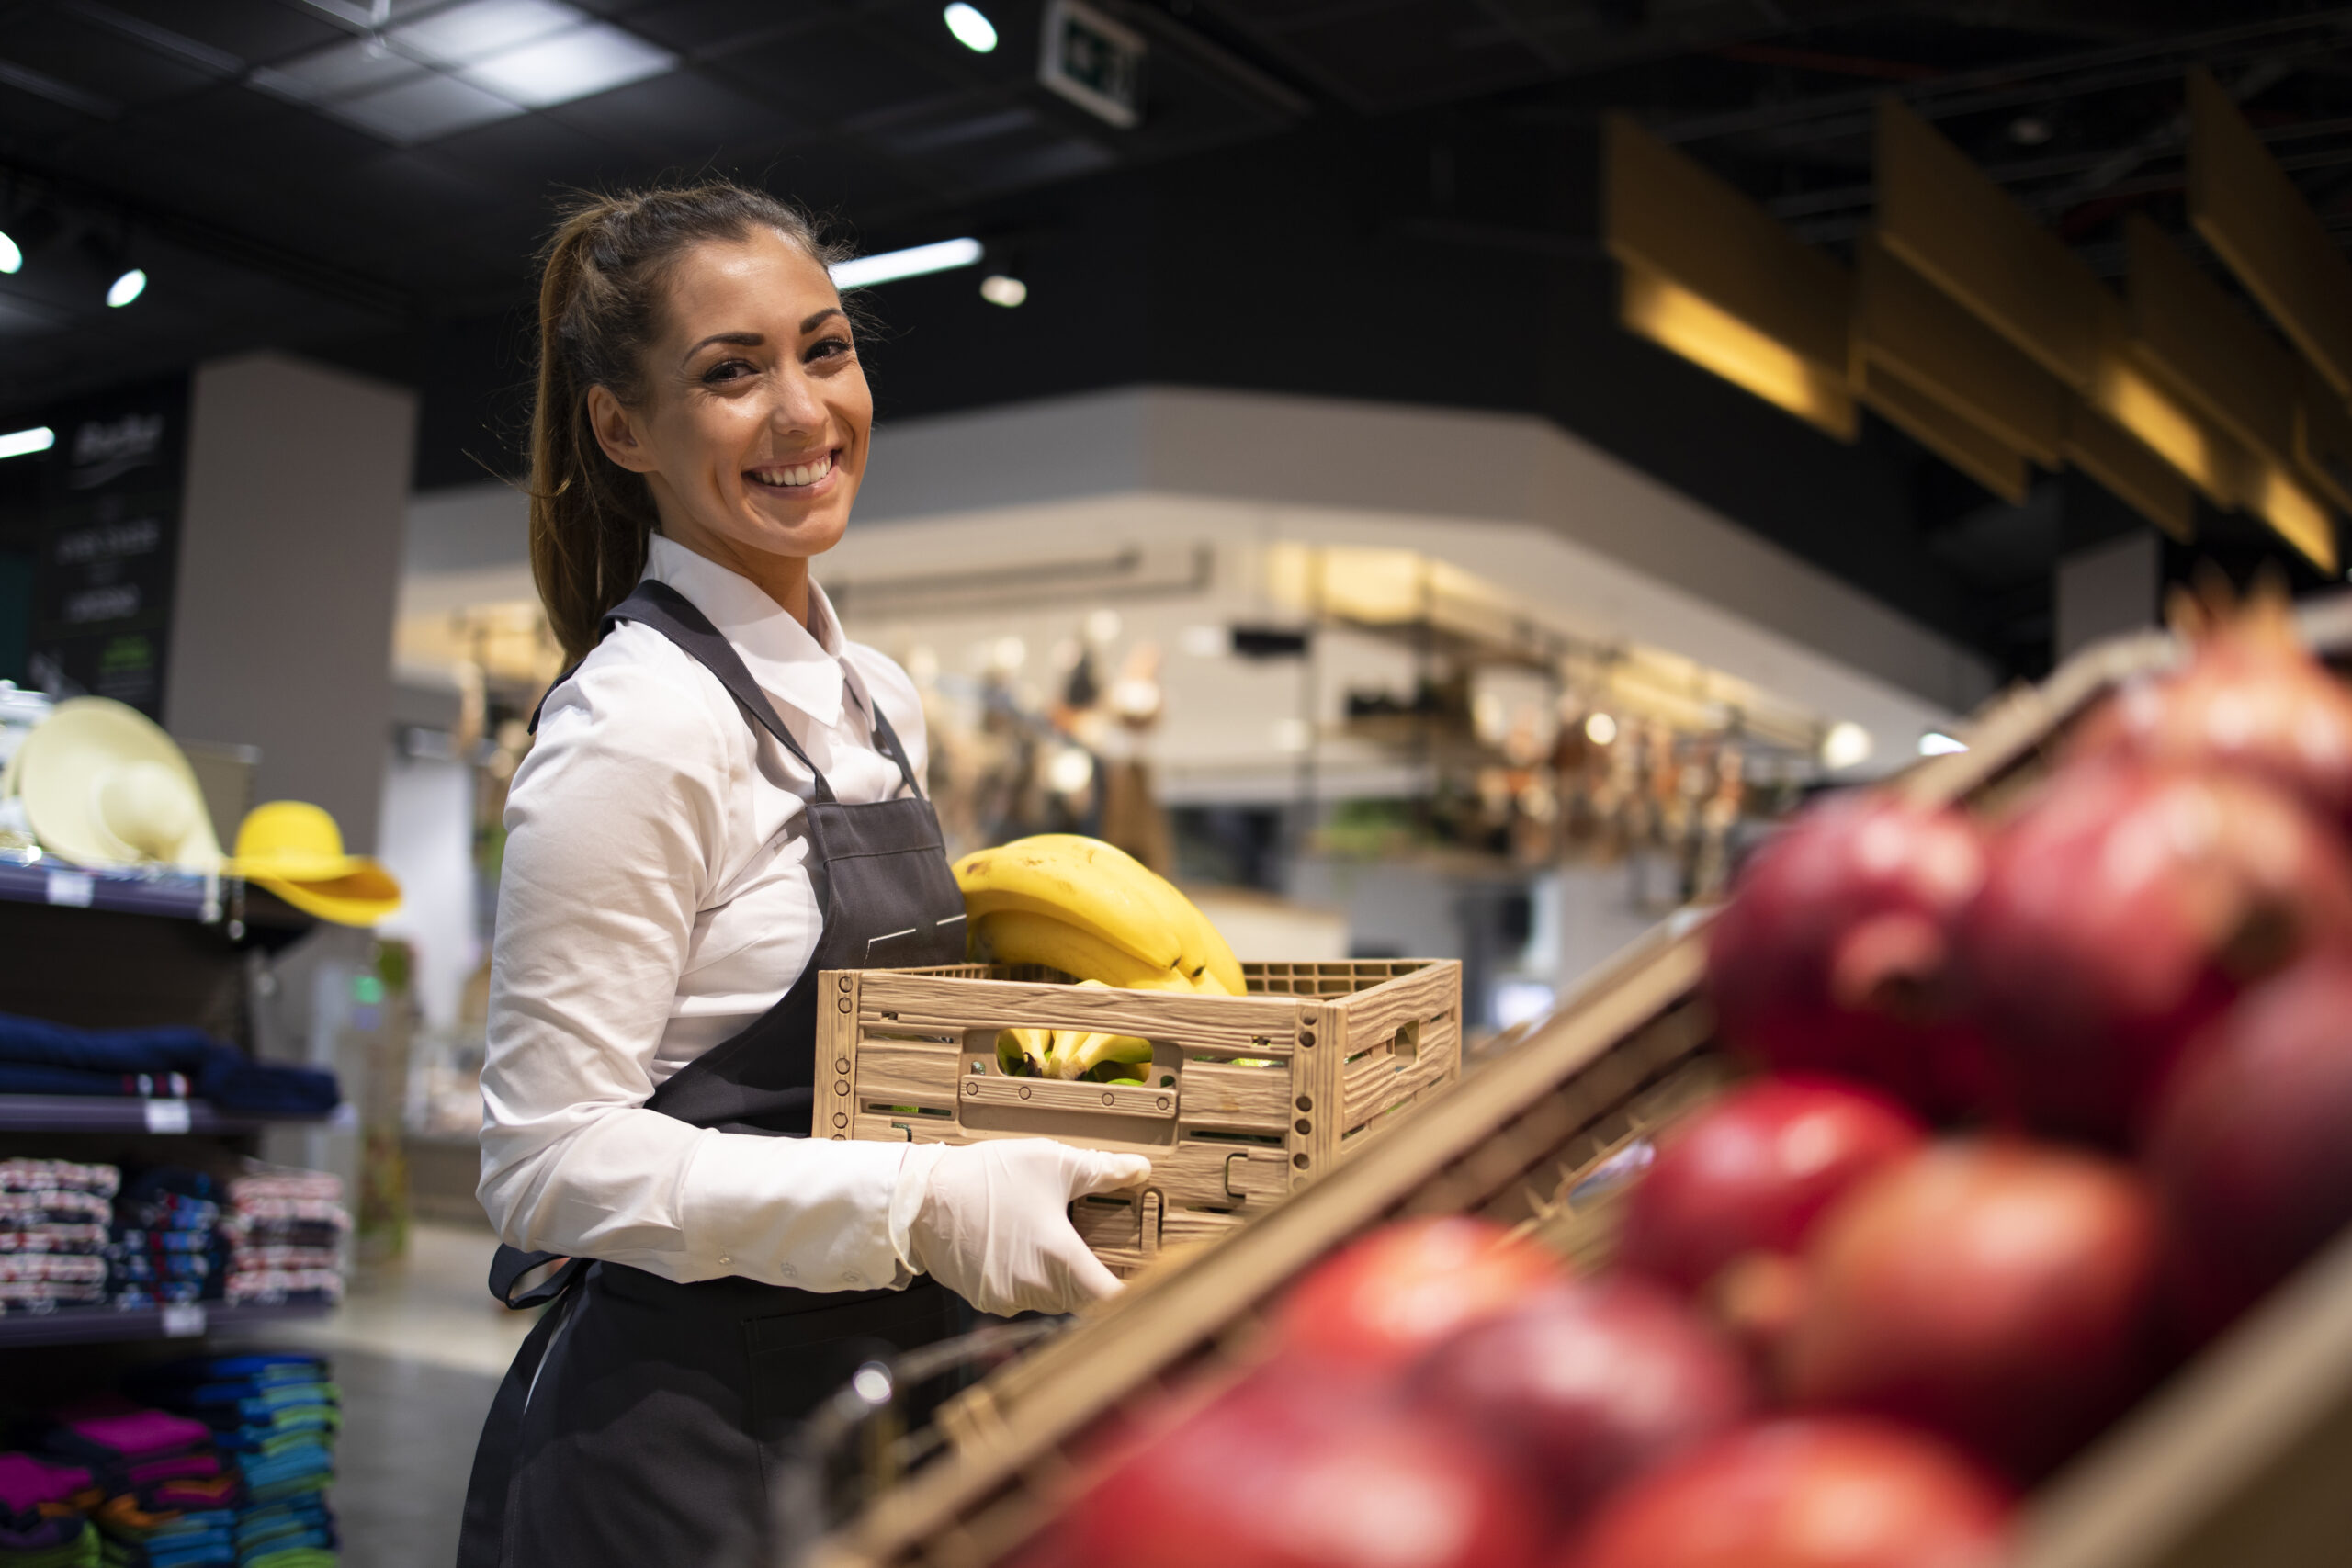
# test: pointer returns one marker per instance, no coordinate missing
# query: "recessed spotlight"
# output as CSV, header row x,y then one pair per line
x,y
127,287
25,442
1601,729
1936,743
999,289
2029,130
12,255
972,30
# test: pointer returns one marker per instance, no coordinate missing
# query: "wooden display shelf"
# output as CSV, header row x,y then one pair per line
x,y
2238,1461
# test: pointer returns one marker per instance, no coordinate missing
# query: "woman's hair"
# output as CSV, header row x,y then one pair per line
x,y
601,291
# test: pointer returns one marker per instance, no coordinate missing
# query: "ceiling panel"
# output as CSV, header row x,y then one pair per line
x,y
832,73
686,115
253,30
60,44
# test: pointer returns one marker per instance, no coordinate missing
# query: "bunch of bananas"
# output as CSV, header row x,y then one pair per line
x,y
1097,914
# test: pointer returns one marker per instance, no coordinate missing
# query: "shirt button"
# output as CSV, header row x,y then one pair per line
x,y
790,1272
849,1277
725,1261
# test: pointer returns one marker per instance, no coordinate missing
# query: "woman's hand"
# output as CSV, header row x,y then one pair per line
x,y
990,1221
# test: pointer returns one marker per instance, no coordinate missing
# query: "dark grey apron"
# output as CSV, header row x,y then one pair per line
x,y
645,1421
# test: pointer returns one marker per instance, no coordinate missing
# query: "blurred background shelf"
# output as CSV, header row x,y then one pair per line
x,y
174,894
91,1325
109,1113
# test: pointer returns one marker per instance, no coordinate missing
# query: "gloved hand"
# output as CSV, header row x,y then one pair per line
x,y
989,1221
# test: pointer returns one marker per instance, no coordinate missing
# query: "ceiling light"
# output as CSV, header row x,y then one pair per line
x,y
973,30
999,290
593,59
1846,745
461,35
11,256
127,287
863,272
25,442
1936,743
428,106
1601,729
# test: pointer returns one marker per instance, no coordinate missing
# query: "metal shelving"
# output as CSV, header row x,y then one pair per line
x,y
125,1113
191,1320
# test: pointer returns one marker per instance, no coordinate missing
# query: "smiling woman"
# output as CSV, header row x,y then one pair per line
x,y
695,339
716,809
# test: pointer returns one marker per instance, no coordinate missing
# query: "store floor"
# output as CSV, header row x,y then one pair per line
x,y
418,1348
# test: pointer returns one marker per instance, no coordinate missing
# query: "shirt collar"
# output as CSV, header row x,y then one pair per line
x,y
800,666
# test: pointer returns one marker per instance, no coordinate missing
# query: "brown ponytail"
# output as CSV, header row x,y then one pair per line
x,y
600,297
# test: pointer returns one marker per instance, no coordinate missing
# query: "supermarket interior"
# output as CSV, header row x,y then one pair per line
x,y
1258,784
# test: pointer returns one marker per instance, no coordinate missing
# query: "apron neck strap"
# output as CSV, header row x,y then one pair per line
x,y
656,605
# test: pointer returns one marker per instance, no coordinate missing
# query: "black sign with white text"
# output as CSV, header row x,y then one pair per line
x,y
110,547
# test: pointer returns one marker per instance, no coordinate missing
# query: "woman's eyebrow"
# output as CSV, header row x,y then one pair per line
x,y
747,340
811,324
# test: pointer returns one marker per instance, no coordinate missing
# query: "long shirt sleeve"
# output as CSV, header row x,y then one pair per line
x,y
653,900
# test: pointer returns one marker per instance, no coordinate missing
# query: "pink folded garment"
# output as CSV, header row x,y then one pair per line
x,y
27,1482
112,1422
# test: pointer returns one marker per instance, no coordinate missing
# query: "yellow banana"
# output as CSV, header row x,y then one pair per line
x,y
1081,881
1200,950
1038,1045
1019,936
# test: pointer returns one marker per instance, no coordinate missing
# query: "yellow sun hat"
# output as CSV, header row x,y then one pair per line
x,y
103,785
294,850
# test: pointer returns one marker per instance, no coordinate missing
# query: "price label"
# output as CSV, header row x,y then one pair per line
x,y
168,1116
72,888
182,1320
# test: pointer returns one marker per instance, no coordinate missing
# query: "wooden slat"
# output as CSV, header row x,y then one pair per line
x,y
1379,1081
1247,1099
1375,1015
1051,1094
1241,1025
900,1074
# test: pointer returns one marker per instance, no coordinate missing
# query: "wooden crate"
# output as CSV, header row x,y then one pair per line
x,y
2239,1462
1248,1099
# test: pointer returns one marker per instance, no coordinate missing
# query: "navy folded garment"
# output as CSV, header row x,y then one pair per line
x,y
220,1072
36,1077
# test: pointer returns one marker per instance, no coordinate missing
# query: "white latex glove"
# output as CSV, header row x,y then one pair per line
x,y
990,1221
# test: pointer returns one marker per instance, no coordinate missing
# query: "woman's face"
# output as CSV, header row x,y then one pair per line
x,y
752,431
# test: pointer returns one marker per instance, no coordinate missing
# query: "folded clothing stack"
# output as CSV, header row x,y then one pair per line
x,y
166,1244
40,1057
168,1497
54,1216
277,1414
284,1230
44,1511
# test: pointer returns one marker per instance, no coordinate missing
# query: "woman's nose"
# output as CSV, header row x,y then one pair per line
x,y
795,405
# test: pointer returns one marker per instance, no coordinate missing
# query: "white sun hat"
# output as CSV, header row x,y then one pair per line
x,y
103,785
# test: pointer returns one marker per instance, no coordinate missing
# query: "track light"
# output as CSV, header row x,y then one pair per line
x,y
999,288
127,287
12,255
972,30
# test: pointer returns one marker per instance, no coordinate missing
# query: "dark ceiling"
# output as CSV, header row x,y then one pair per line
x,y
1301,168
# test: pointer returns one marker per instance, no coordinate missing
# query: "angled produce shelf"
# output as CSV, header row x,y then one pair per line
x,y
2238,1460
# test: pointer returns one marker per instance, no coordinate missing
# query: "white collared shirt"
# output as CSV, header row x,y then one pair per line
x,y
654,901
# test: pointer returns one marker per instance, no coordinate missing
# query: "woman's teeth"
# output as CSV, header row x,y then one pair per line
x,y
796,476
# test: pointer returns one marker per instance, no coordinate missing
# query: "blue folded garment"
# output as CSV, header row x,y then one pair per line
x,y
220,1072
37,1078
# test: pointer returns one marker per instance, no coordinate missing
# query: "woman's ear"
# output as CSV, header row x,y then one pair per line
x,y
615,428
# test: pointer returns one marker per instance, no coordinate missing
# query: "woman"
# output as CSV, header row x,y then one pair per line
x,y
721,802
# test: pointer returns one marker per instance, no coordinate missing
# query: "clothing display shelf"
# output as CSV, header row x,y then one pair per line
x,y
191,1320
175,895
103,1114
